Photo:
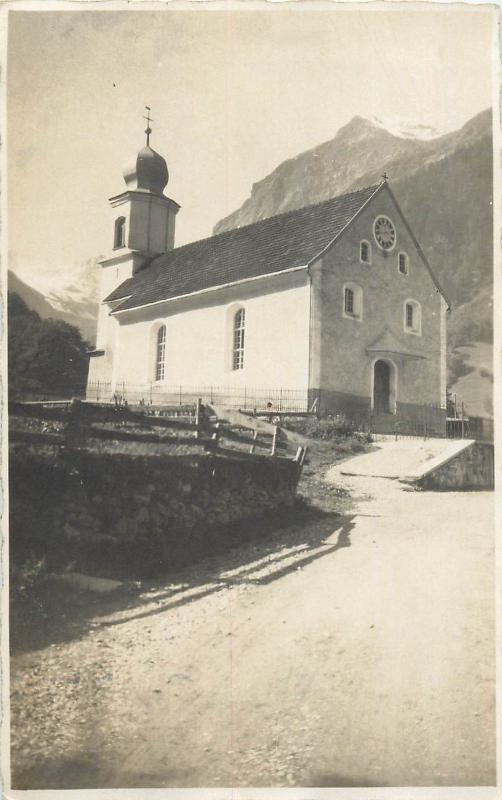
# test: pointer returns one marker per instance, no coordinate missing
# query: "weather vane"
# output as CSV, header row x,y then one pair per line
x,y
148,130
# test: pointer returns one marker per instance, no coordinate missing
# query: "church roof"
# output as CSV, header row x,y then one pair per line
x,y
270,246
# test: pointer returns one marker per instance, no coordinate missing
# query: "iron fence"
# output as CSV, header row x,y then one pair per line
x,y
250,399
409,420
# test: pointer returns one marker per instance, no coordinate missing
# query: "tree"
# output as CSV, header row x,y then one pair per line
x,y
46,356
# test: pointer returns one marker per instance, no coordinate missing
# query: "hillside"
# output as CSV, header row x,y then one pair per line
x,y
34,300
77,304
47,356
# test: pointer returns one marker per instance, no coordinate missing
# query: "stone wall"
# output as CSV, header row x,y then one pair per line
x,y
472,468
124,514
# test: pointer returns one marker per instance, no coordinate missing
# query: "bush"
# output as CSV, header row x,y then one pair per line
x,y
330,428
27,580
47,357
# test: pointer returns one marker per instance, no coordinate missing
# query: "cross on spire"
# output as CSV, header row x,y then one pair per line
x,y
385,177
148,130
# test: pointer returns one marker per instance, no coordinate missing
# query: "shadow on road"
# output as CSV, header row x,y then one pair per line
x,y
267,551
259,563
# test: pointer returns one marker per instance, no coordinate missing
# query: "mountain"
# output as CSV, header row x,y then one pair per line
x,y
76,303
33,299
444,186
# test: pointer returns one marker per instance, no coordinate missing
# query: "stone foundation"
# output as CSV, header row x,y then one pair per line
x,y
115,514
472,468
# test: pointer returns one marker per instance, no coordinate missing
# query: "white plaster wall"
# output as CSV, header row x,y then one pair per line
x,y
111,276
158,228
138,224
199,338
150,221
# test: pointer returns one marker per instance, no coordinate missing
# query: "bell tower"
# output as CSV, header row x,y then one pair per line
x,y
142,223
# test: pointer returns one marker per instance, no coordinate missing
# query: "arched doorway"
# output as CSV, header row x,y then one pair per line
x,y
382,389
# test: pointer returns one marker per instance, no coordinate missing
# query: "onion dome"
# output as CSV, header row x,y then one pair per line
x,y
148,173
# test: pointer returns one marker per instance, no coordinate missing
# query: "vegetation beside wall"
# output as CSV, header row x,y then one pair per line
x,y
337,429
47,357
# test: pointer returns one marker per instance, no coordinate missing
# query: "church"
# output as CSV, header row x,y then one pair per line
x,y
333,306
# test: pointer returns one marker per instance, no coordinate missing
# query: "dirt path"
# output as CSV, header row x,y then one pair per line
x,y
351,651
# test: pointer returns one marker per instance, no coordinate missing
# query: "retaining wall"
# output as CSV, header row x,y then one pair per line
x,y
111,514
472,468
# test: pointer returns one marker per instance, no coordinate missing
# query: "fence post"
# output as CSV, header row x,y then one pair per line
x,y
255,436
197,417
97,392
245,397
280,399
425,422
274,441
462,420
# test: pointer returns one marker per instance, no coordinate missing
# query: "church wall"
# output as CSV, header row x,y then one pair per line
x,y
345,369
158,228
139,223
199,337
150,225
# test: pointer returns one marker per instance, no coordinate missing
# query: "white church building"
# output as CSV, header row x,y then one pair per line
x,y
334,303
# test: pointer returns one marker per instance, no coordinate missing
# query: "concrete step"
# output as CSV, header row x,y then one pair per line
x,y
407,459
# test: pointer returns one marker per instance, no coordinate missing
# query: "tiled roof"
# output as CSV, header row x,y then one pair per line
x,y
270,246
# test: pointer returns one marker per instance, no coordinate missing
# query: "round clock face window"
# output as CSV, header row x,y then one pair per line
x,y
385,233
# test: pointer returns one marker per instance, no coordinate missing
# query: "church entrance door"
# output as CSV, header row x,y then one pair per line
x,y
381,387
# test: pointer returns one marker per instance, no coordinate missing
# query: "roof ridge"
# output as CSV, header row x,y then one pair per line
x,y
373,186
267,246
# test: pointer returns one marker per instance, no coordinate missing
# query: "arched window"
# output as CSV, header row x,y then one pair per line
x,y
160,354
365,252
402,262
412,317
352,301
119,236
238,340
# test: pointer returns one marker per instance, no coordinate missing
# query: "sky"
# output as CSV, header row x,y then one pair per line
x,y
233,94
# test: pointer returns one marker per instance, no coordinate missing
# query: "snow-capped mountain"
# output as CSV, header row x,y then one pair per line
x,y
76,302
405,129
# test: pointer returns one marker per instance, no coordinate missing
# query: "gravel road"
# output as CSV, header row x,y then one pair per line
x,y
353,650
